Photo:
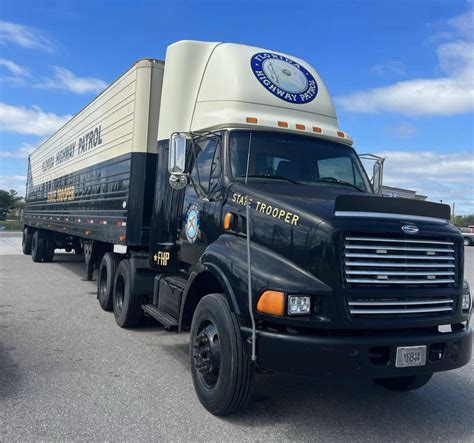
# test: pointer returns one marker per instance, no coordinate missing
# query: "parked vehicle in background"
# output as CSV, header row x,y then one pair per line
x,y
467,235
217,194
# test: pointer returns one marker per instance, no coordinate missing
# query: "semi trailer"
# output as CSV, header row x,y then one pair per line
x,y
216,193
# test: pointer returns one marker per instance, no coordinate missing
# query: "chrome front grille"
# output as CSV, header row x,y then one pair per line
x,y
400,306
379,260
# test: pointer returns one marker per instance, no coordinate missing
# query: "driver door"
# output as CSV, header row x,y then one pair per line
x,y
202,208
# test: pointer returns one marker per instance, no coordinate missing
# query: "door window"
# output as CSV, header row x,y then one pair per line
x,y
207,168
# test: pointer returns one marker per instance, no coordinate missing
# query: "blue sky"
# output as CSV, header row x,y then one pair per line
x,y
401,72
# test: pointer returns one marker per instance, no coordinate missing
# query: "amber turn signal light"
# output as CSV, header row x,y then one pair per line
x,y
228,221
272,303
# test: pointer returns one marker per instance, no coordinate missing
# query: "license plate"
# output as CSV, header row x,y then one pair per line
x,y
411,356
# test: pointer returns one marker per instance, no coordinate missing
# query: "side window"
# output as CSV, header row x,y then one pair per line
x,y
207,168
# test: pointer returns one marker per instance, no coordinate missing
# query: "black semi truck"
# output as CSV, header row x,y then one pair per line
x,y
216,193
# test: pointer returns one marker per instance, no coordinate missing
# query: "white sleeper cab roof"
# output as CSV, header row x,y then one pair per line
x,y
209,86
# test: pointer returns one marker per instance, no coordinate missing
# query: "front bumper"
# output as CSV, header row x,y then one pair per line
x,y
357,356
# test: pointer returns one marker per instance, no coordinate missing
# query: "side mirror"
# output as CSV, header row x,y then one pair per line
x,y
177,161
377,179
377,171
177,154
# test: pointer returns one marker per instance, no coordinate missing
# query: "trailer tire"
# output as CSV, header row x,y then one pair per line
x,y
223,375
37,246
402,384
127,304
49,247
26,241
105,280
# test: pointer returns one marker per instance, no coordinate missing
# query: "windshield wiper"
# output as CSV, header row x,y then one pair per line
x,y
271,176
340,182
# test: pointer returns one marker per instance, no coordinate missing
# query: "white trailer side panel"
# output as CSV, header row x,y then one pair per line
x,y
86,171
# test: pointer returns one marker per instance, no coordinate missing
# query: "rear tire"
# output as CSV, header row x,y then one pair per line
x,y
402,384
26,241
105,280
127,304
49,247
467,241
37,246
222,372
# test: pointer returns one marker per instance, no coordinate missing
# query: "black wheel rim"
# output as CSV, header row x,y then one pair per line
x,y
207,354
119,293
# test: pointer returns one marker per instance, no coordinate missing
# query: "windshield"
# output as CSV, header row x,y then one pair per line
x,y
296,159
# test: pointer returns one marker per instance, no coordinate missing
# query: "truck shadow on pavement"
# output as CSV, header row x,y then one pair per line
x,y
360,410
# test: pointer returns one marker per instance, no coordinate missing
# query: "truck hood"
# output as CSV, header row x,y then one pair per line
x,y
315,204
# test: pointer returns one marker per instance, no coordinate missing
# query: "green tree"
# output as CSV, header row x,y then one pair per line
x,y
463,221
8,199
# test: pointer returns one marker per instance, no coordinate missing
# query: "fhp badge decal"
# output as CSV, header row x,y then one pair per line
x,y
284,78
191,227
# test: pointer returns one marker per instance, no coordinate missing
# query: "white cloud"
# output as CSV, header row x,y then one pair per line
x,y
16,182
13,67
67,80
24,36
63,79
447,177
403,130
389,67
32,120
22,152
463,24
450,94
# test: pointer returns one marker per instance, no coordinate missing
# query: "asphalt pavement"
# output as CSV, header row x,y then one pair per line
x,y
67,372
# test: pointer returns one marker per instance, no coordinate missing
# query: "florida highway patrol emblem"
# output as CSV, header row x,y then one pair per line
x,y
191,227
284,78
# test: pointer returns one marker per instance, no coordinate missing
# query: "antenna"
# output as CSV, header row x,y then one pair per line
x,y
249,269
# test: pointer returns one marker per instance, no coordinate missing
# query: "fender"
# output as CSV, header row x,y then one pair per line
x,y
189,302
269,270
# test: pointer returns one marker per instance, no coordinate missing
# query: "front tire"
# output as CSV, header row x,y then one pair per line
x,y
467,241
127,304
223,375
402,384
26,241
105,280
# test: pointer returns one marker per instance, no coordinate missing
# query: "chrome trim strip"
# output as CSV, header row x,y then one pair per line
x,y
393,240
405,217
398,311
397,248
399,303
402,257
374,264
407,273
400,282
